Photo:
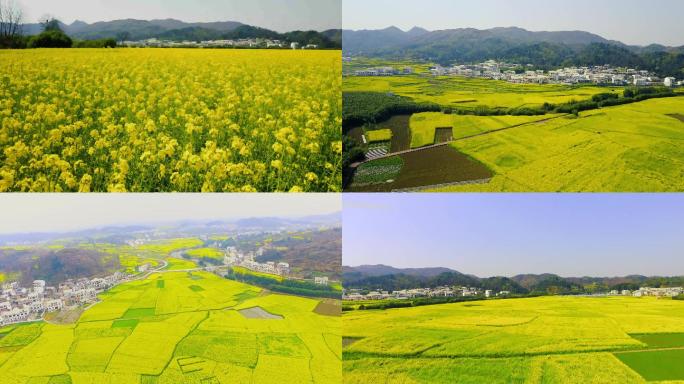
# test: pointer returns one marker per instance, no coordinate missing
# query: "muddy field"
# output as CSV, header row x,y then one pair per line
x,y
329,307
258,313
434,166
443,134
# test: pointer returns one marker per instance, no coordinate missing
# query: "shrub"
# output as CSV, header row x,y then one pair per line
x,y
50,39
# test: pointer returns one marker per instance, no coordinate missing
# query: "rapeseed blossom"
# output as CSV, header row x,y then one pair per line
x,y
147,120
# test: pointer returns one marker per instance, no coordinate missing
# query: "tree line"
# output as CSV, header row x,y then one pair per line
x,y
52,35
289,286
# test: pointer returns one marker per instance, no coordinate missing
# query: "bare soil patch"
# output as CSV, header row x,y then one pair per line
x,y
329,307
677,116
434,166
444,134
259,313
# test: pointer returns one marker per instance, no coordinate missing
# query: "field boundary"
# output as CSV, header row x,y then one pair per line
x,y
460,139
444,185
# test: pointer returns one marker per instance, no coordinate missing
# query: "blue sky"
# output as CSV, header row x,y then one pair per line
x,y
57,212
508,234
279,15
630,21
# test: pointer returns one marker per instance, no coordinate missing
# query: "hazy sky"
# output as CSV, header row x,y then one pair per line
x,y
630,21
509,234
23,213
279,15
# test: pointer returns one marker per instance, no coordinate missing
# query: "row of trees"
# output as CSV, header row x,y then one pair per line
x,y
292,287
52,36
10,23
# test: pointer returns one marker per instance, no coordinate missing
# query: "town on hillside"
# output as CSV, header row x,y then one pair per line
x,y
605,75
230,43
22,304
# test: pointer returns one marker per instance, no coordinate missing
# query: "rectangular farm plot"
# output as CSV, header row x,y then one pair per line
x,y
660,340
377,135
443,134
656,365
92,355
238,348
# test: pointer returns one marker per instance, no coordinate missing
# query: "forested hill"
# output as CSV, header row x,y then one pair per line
x,y
541,49
389,278
55,266
176,30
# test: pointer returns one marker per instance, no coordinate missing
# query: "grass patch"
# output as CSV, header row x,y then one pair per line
x,y
660,340
196,288
655,365
160,283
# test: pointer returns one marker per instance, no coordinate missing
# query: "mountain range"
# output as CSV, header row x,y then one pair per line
x,y
389,278
172,29
541,49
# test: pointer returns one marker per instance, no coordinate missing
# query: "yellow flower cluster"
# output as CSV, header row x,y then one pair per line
x,y
150,120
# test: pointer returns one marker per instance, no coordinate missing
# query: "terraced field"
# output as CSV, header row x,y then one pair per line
x,y
179,327
629,148
537,340
470,93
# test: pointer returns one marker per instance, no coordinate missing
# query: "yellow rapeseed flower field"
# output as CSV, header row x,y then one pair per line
x,y
147,120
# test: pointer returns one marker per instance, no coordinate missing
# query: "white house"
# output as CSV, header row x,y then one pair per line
x,y
321,280
669,82
53,305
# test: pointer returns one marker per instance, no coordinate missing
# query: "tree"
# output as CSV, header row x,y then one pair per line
x,y
49,23
123,36
51,39
10,23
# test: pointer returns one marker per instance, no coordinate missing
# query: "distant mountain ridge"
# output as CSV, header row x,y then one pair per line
x,y
543,49
172,29
390,278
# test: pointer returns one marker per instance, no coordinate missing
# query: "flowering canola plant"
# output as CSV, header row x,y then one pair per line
x,y
185,120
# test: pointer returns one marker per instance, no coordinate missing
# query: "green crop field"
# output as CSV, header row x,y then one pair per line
x,y
534,340
189,329
629,148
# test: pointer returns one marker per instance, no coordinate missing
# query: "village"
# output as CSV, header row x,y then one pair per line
x,y
646,291
445,291
405,294
247,260
237,43
22,304
605,75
